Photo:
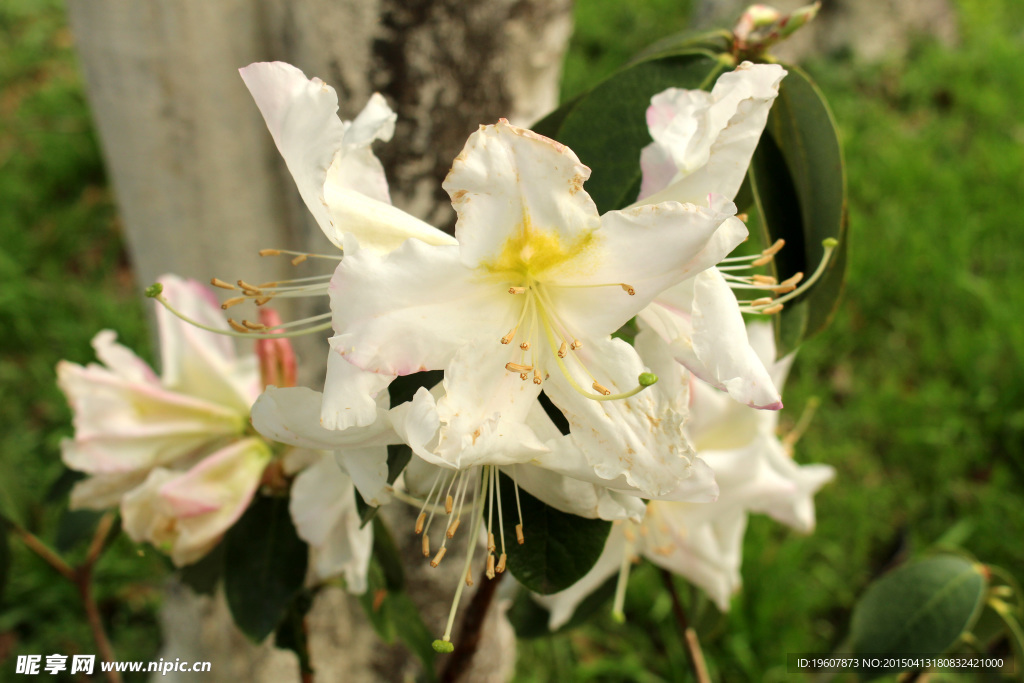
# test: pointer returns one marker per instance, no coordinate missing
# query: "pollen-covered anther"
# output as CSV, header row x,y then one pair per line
x,y
420,521
507,339
576,344
236,326
764,279
452,529
217,282
518,367
775,248
523,376
258,327
233,301
251,290
440,556
490,566
517,290
500,567
490,543
628,289
602,389
270,252
519,534
263,299
742,216
536,377
426,546
789,284
771,310
449,502
763,301
525,346
299,259
562,350
469,576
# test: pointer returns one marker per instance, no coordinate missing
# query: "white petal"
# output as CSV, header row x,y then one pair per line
x,y
121,360
292,415
104,490
710,137
350,394
511,184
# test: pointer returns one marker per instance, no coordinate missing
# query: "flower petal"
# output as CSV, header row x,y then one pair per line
x,y
513,190
349,398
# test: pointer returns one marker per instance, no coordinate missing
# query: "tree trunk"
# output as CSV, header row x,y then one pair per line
x,y
201,189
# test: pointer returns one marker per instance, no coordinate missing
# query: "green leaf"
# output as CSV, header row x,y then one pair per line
x,y
530,620
559,548
607,127
291,634
74,528
411,630
386,553
799,185
921,608
264,566
202,577
404,387
5,559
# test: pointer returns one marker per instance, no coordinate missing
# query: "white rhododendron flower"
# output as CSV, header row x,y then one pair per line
x,y
185,513
526,301
128,420
704,542
703,143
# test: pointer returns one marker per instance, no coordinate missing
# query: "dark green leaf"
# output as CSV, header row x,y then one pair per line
x,y
411,630
61,486
921,608
386,553
74,528
373,602
5,559
530,620
264,566
607,128
202,577
559,548
800,150
292,635
403,388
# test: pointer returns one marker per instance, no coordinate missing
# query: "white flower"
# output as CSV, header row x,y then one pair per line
x,y
128,420
703,143
704,542
526,301
185,514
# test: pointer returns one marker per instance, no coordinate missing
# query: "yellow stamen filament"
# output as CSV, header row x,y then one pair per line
x,y
236,326
519,534
419,522
453,528
562,350
628,289
299,259
490,567
270,252
216,282
772,310
440,556
602,389
517,367
500,567
516,290
234,301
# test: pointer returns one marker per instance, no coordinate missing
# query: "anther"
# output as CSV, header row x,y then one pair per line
x,y
258,327
419,522
469,576
561,350
764,279
270,252
518,367
789,284
771,310
523,376
742,216
452,529
763,301
536,378
525,346
490,566
775,248
500,567
576,344
426,546
516,290
234,301
440,556
263,299
764,260
448,504
267,285
299,259
490,543
236,326
628,289
246,286
519,534
510,336
217,282
602,389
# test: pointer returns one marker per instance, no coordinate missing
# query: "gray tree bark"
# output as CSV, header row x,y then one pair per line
x,y
201,189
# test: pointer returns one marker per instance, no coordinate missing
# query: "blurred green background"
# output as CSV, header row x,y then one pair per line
x,y
921,376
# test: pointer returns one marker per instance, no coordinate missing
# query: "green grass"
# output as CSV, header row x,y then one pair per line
x,y
922,408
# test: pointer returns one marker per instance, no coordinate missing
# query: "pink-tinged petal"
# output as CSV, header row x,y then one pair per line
x,y
302,116
201,363
410,310
710,137
121,360
224,479
720,343
515,190
649,249
103,491
350,394
563,604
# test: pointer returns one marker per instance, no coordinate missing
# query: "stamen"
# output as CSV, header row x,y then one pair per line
x,y
742,216
490,542
270,252
764,279
517,367
536,377
469,575
775,248
789,284
258,327
523,376
268,285
628,289
216,282
576,344
448,502
772,310
236,326
507,339
426,546
830,244
525,346
440,556
620,587
516,290
490,567
763,301
602,389
519,508
263,299
500,567
519,534
453,528
420,521
562,350
247,287
764,260
299,259
234,301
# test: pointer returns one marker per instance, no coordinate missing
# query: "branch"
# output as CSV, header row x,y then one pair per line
x,y
697,663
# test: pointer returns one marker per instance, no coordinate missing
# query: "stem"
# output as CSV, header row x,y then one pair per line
x,y
697,663
469,632
51,558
